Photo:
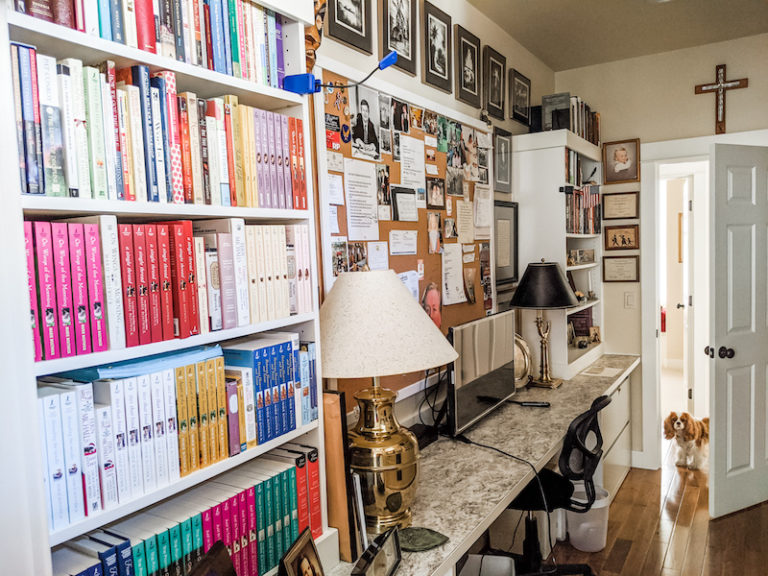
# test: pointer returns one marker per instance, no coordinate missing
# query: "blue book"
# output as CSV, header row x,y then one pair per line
x,y
272,46
306,408
116,15
310,348
279,50
159,83
258,401
32,160
266,388
274,383
68,561
105,20
217,35
123,548
104,553
285,377
226,35
140,75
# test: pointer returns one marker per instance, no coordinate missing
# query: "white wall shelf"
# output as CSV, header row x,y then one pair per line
x,y
581,307
582,266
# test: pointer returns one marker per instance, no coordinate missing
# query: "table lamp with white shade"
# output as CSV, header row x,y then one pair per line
x,y
372,326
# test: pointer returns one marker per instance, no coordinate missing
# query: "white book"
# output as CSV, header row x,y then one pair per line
x,y
258,47
187,31
203,38
253,274
70,435
157,127
104,553
110,138
221,146
111,392
212,129
306,276
129,23
162,477
89,463
68,128
66,561
57,481
236,227
172,424
133,426
292,268
51,127
261,270
194,144
80,132
146,423
269,272
106,448
282,308
137,141
113,285
202,284
213,281
94,122
44,455
91,14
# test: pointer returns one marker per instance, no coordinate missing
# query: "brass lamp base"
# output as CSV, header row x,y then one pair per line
x,y
551,384
386,457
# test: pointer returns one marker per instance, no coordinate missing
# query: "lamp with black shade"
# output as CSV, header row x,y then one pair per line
x,y
544,287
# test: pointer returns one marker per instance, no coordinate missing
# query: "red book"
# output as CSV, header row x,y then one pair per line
x,y
32,286
99,338
42,9
153,276
302,171
128,273
313,482
208,41
295,182
47,288
63,288
179,279
142,283
194,305
145,25
79,289
165,278
63,12
186,150
230,137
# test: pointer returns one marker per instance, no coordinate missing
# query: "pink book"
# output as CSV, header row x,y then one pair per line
x,y
79,289
227,281
164,274
34,319
234,519
218,524
95,287
142,283
245,552
155,306
285,141
128,275
226,525
63,279
264,167
253,548
272,155
207,529
47,285
278,143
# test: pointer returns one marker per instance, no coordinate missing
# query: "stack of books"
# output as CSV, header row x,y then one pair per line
x,y
583,210
126,134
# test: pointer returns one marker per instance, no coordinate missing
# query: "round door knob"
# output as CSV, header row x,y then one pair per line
x,y
724,352
679,305
709,352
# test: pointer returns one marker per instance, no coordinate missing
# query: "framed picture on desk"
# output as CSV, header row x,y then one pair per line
x,y
505,215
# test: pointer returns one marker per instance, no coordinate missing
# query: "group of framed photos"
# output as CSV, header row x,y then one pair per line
x,y
451,54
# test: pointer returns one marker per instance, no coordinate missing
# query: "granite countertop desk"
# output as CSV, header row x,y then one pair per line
x,y
463,488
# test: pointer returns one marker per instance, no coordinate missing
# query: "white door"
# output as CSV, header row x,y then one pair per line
x,y
686,252
738,327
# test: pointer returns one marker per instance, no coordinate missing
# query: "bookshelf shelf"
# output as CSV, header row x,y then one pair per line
x,y
584,236
193,479
111,356
51,38
581,307
43,205
582,266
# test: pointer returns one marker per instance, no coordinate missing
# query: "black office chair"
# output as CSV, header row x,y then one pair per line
x,y
582,450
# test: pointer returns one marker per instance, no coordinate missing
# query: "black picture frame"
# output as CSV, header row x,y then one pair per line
x,y
494,78
467,66
397,34
436,57
382,557
502,160
519,97
504,211
352,29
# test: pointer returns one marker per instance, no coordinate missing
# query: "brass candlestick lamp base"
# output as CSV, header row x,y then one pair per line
x,y
386,457
545,379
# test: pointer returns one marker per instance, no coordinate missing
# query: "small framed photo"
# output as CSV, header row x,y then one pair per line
x,y
436,193
621,269
519,97
622,237
382,557
505,215
437,48
350,22
621,161
502,160
467,58
621,206
494,75
301,558
398,28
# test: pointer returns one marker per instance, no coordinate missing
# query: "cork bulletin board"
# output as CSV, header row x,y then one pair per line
x,y
444,141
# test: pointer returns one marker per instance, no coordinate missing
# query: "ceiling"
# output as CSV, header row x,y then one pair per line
x,y
567,34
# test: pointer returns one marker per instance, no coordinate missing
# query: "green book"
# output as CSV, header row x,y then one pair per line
x,y
261,529
151,552
197,538
94,121
269,509
294,504
139,560
234,38
177,552
277,511
187,545
286,508
163,550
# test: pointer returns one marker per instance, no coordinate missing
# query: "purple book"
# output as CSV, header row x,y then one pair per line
x,y
263,194
276,118
233,417
265,159
272,159
279,50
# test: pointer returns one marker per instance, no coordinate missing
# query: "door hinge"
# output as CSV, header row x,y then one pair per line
x,y
690,205
657,332
690,394
690,300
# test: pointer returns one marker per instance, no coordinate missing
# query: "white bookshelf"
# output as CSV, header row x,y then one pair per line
x,y
25,540
539,168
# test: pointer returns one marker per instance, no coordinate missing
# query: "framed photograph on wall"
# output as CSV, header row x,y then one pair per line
x,y
622,237
436,56
519,97
502,160
467,59
398,32
621,269
350,22
494,75
505,216
621,206
621,161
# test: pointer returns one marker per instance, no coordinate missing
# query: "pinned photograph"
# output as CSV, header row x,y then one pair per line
x,y
401,116
430,123
454,181
398,33
430,154
482,157
467,57
449,228
470,274
469,152
455,150
339,262
365,123
621,160
443,128
417,117
383,197
434,233
350,22
431,301
385,111
494,72
520,97
358,257
386,142
482,175
437,47
396,147
436,193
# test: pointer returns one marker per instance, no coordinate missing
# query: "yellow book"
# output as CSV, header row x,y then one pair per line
x,y
181,416
202,408
231,101
213,411
194,443
221,401
243,112
252,161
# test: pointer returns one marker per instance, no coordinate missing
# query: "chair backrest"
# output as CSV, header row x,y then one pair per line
x,y
582,450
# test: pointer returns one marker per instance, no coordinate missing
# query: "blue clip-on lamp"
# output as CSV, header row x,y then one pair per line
x,y
308,84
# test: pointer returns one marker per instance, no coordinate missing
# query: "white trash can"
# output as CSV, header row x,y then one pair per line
x,y
588,531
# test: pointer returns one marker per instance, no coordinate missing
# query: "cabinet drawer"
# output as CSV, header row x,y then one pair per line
x,y
616,462
615,416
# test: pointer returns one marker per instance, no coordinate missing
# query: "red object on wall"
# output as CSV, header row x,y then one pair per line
x,y
663,319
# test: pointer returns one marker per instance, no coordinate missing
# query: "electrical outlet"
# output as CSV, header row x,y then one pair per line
x,y
629,300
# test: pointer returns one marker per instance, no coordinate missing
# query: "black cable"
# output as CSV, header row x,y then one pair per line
x,y
371,73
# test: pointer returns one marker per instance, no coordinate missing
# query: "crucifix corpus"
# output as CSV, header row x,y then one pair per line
x,y
719,87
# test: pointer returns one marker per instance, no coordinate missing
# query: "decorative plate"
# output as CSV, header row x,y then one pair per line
x,y
522,362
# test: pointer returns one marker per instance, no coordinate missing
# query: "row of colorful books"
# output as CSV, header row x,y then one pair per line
x,y
96,284
235,37
583,210
112,434
258,511
125,134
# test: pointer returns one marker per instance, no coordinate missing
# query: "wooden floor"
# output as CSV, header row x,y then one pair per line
x,y
659,526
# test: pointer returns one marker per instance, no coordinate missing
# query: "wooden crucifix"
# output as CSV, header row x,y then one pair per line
x,y
719,88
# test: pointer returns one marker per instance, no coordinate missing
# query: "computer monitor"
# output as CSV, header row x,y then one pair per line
x,y
483,376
